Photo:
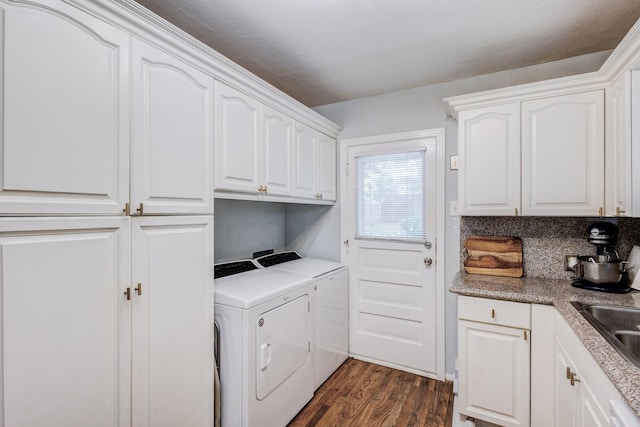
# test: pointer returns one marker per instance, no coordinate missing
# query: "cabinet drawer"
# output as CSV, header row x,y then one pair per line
x,y
506,313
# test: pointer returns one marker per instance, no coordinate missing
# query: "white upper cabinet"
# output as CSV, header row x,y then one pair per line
x,y
489,160
618,147
327,161
563,155
314,164
172,154
65,91
276,157
537,157
237,141
305,175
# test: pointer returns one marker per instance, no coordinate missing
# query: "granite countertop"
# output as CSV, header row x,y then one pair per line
x,y
558,292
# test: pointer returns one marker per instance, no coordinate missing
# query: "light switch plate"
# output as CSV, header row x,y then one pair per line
x,y
453,163
453,208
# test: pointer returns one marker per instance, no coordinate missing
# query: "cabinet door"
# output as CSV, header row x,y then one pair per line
x,y
493,370
304,178
489,160
172,161
563,155
326,167
65,117
65,321
172,321
565,400
277,152
618,147
237,140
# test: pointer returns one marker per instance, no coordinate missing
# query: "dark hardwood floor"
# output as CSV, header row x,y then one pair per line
x,y
363,394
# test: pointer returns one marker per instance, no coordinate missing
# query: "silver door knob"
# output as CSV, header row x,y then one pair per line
x,y
428,261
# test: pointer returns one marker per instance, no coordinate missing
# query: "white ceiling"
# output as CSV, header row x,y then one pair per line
x,y
325,51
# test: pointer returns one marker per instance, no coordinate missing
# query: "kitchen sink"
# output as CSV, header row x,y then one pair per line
x,y
617,324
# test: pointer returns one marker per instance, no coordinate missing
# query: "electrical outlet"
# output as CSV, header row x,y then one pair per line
x,y
569,262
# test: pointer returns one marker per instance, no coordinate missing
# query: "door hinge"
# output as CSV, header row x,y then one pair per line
x,y
309,306
309,346
347,167
525,335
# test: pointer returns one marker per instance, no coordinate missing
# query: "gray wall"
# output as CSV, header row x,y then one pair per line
x,y
423,108
242,228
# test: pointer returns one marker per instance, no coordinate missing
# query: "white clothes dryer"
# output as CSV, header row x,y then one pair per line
x,y
264,320
329,312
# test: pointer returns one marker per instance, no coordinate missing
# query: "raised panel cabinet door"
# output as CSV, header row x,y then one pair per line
x,y
590,413
563,155
305,163
277,152
65,93
172,160
326,167
237,139
493,370
66,325
489,160
172,327
565,404
618,147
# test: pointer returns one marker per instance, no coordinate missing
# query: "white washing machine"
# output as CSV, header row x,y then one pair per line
x,y
264,319
330,310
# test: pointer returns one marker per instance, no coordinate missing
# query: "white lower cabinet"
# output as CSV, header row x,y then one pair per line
x,y
569,389
172,321
493,361
77,350
66,342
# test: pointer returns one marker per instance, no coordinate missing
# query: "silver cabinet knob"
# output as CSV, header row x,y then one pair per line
x,y
428,261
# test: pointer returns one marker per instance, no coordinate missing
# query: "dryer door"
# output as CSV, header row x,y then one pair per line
x,y
282,344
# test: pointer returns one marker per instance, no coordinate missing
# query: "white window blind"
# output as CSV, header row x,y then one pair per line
x,y
390,196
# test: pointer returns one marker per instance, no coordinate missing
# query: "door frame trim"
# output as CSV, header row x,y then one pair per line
x,y
440,220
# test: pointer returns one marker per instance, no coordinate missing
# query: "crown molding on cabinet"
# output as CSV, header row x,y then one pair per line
x,y
142,23
626,56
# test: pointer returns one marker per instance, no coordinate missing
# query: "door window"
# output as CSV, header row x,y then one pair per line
x,y
390,199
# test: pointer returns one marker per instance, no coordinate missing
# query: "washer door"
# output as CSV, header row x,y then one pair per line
x,y
282,344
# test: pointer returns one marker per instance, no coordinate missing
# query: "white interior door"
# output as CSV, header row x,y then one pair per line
x,y
390,226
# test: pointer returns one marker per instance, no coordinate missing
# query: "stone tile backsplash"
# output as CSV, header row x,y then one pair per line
x,y
546,240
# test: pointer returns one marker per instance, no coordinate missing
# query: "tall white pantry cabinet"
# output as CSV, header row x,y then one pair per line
x,y
106,235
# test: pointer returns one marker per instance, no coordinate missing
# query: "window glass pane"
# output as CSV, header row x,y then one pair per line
x,y
390,196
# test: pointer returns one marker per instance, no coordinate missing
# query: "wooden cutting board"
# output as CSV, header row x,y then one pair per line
x,y
493,256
